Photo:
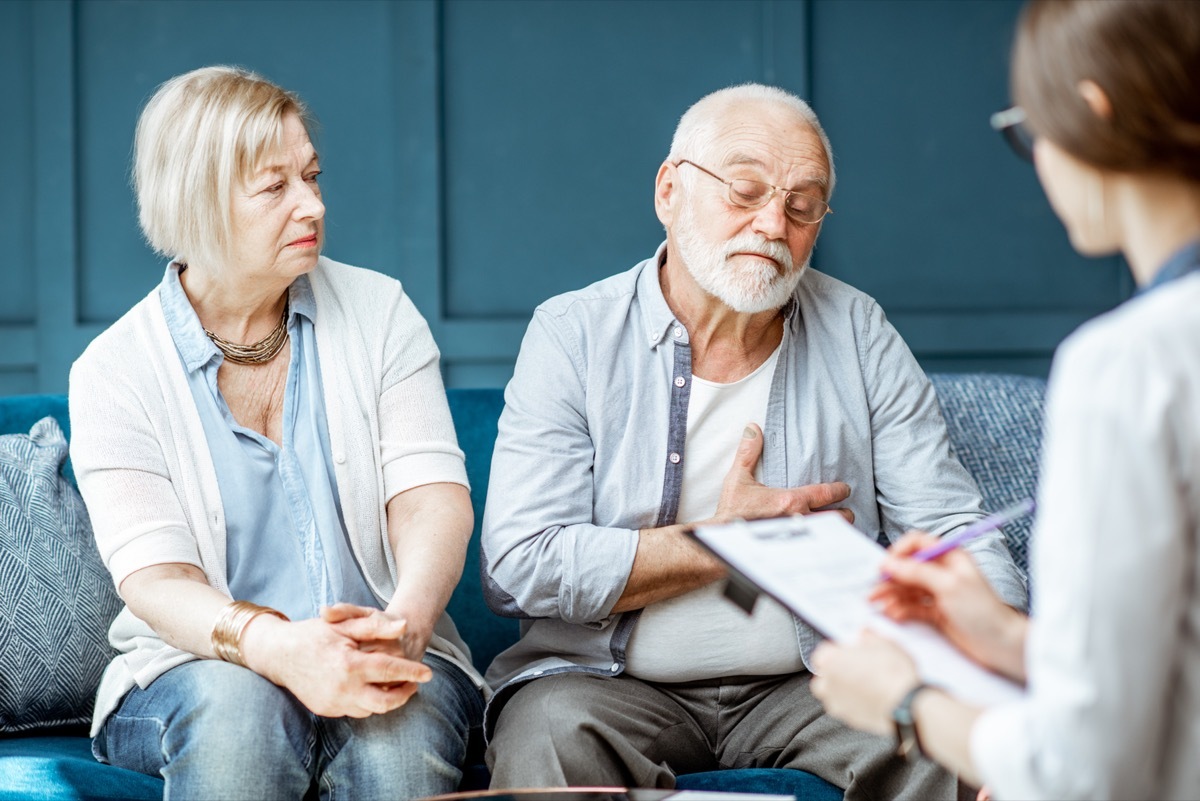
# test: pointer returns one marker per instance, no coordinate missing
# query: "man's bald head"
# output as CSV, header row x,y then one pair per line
x,y
703,122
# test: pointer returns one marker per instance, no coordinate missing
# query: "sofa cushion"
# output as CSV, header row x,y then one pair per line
x,y
63,769
995,425
18,413
476,413
56,597
801,785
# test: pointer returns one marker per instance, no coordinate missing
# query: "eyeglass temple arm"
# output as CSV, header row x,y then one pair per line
x,y
1008,118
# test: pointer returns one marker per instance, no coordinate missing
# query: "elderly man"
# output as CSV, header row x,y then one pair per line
x,y
720,378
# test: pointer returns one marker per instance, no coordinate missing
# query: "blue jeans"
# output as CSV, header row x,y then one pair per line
x,y
214,730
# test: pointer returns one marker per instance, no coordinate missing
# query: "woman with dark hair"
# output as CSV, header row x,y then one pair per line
x,y
1110,92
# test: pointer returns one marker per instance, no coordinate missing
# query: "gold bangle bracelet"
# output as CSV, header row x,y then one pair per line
x,y
231,625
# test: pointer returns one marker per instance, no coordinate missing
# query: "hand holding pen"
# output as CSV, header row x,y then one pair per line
x,y
932,580
973,531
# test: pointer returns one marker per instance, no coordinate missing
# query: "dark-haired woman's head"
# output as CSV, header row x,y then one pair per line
x,y
1110,90
1143,56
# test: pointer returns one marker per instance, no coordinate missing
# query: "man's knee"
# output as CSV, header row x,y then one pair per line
x,y
576,728
553,710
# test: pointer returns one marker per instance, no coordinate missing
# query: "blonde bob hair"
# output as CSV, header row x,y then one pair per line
x,y
201,134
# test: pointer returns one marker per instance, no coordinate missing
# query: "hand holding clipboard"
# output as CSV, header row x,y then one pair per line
x,y
823,570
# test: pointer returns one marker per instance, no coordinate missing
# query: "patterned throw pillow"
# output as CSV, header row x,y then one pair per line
x,y
56,597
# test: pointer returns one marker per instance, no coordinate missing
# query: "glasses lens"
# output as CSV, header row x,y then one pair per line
x,y
747,193
805,209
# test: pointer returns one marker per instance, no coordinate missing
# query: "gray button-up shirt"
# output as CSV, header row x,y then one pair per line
x,y
591,441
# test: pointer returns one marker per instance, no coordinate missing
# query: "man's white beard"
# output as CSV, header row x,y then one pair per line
x,y
748,288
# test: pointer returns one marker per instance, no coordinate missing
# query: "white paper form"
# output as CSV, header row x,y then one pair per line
x,y
822,569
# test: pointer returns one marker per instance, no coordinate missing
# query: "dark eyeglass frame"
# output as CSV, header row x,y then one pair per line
x,y
732,195
1012,125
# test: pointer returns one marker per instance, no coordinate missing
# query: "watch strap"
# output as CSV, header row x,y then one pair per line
x,y
908,740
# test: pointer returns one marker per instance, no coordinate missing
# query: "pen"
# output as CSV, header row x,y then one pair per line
x,y
976,529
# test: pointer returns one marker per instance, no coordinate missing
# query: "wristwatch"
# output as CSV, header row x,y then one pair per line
x,y
908,741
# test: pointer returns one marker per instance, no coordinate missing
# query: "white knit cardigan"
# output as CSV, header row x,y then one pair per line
x,y
147,476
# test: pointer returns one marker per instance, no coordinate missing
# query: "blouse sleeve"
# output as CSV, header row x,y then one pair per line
x,y
137,515
417,440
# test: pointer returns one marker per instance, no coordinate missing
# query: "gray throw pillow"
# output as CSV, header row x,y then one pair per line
x,y
56,597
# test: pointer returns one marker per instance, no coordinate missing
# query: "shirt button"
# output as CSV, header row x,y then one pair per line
x,y
679,382
615,667
674,457
340,458
678,332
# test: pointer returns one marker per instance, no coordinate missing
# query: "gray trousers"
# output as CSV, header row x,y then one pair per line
x,y
578,729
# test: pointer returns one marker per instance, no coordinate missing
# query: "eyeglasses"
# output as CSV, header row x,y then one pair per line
x,y
1011,123
749,194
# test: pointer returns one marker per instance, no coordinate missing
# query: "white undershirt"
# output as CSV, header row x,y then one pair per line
x,y
700,635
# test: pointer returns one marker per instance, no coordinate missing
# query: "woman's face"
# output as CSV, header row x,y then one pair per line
x,y
278,216
1078,195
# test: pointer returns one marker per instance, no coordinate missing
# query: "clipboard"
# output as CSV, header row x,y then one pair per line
x,y
821,569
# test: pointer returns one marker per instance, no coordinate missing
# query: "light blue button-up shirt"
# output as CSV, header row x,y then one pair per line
x,y
592,438
286,542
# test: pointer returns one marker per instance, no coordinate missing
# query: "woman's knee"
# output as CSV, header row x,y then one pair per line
x,y
436,720
206,721
232,698
416,750
231,713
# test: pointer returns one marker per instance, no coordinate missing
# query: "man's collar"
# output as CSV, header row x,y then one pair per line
x,y
657,317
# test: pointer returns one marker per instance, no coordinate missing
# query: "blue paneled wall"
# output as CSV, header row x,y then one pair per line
x,y
491,153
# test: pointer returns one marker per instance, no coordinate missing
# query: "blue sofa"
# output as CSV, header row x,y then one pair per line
x,y
995,427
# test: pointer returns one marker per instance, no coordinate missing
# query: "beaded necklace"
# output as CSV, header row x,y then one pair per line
x,y
260,352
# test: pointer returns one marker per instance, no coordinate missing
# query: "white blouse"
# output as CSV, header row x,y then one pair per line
x,y
145,471
1113,655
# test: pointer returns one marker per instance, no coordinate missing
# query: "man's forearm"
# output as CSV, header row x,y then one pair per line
x,y
667,564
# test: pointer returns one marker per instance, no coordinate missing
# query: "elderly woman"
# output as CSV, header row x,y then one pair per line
x,y
1111,660
265,450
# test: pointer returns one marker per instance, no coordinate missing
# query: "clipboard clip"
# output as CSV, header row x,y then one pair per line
x,y
741,590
